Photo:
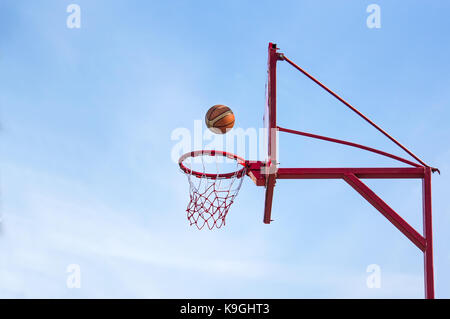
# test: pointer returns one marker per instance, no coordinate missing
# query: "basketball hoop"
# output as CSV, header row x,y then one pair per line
x,y
212,186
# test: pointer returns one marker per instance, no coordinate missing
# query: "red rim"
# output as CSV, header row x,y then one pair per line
x,y
238,159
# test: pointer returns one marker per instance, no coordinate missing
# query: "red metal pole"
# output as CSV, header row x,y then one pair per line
x,y
427,233
386,211
272,147
340,172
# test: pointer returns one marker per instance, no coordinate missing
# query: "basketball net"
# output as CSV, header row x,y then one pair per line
x,y
211,192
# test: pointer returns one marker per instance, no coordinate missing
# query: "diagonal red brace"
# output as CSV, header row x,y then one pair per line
x,y
387,211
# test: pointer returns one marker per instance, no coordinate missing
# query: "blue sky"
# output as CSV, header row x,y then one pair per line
x,y
86,121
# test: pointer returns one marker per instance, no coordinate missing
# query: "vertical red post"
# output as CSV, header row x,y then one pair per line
x,y
271,126
427,233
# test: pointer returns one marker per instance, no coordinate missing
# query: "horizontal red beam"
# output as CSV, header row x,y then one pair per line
x,y
340,172
386,211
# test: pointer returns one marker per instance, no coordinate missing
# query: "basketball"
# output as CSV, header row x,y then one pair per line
x,y
219,119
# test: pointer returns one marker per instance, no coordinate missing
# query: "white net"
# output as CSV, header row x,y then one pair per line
x,y
213,190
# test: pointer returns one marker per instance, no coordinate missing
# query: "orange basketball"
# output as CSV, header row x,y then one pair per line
x,y
219,119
